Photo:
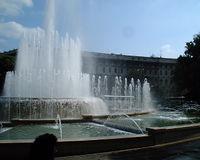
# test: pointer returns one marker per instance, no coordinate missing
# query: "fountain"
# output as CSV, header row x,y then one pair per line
x,y
47,77
124,97
48,81
48,85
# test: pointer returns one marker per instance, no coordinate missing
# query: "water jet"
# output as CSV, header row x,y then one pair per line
x,y
48,81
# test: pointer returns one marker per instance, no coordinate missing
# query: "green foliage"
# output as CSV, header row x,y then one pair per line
x,y
7,63
187,73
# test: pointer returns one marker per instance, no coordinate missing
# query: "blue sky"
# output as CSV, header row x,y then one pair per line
x,y
131,27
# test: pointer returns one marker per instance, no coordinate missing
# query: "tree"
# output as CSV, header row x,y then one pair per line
x,y
7,63
187,73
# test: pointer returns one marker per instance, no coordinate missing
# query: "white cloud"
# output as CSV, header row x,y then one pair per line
x,y
13,7
167,48
13,29
168,51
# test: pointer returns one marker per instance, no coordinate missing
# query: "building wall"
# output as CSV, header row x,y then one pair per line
x,y
157,70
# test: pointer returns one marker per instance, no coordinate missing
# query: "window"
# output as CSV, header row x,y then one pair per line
x,y
109,70
96,68
103,69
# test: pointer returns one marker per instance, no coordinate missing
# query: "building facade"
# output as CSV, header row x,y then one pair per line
x,y
158,71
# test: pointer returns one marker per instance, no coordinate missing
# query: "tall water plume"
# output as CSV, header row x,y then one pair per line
x,y
48,65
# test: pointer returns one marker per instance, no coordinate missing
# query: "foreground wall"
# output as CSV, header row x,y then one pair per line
x,y
155,136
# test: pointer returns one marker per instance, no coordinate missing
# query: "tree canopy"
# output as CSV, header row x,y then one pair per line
x,y
7,63
187,73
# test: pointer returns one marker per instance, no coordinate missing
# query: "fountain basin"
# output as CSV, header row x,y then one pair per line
x,y
19,149
114,121
69,131
48,108
161,128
